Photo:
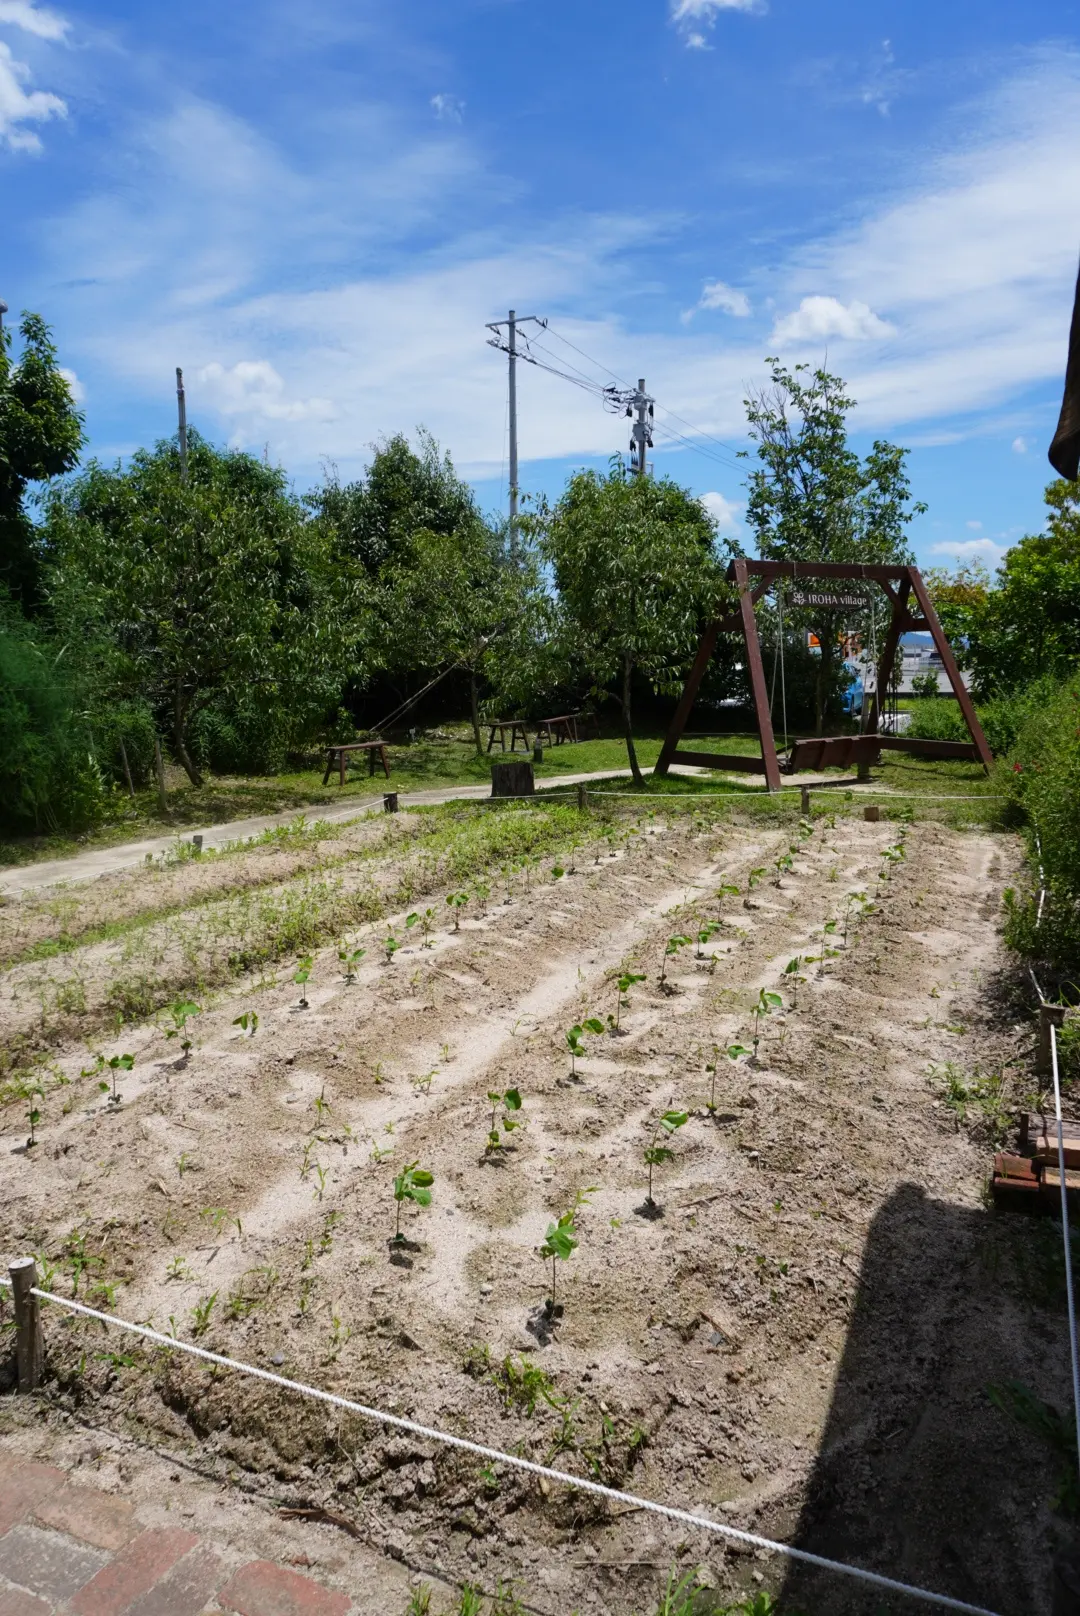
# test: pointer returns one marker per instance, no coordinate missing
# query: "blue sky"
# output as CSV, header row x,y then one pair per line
x,y
314,209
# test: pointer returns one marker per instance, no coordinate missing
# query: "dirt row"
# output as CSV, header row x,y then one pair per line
x,y
795,1336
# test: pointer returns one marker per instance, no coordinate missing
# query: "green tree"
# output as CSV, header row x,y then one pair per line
x,y
813,499
40,437
635,569
215,589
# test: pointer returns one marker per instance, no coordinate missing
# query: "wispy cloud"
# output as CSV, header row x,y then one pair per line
x,y
820,319
20,106
970,550
694,17
718,295
724,511
33,19
449,107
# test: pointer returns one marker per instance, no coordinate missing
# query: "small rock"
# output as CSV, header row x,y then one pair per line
x,y
486,1290
278,1359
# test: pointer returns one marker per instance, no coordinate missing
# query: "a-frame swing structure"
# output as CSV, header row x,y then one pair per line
x,y
912,609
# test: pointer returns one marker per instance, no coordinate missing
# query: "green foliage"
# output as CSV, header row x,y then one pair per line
x,y
40,437
413,1183
1042,776
509,1103
635,569
656,1153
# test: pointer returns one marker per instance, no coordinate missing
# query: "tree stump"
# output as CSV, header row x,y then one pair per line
x,y
512,779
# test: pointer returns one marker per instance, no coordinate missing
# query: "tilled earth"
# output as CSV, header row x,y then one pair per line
x,y
796,1338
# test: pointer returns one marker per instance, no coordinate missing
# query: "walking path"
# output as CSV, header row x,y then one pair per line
x,y
108,860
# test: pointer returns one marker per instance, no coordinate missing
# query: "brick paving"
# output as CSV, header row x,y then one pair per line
x,y
70,1550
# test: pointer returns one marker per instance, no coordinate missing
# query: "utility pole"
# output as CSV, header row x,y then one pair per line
x,y
641,432
510,348
181,412
3,311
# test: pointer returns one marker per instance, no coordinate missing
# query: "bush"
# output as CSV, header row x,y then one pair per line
x,y
1042,777
939,718
49,779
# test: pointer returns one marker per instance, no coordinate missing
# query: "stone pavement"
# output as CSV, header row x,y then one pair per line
x,y
78,1551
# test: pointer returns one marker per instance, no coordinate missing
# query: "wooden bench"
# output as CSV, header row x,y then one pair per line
x,y
341,753
563,728
516,726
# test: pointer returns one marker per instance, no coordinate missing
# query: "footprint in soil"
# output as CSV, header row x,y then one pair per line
x,y
399,1251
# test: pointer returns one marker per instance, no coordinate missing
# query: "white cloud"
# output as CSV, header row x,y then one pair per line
x,y
974,526
449,107
19,106
718,295
723,511
1019,446
970,549
692,16
33,19
75,386
253,391
819,319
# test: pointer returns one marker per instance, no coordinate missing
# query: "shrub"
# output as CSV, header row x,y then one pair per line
x,y
939,718
1042,778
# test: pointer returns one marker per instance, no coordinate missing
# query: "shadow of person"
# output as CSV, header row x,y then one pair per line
x,y
919,1476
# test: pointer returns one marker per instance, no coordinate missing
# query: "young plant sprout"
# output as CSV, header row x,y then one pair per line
x,y
733,1052
574,1037
34,1093
561,1242
300,977
727,890
181,1010
791,974
118,1063
412,920
413,1183
828,930
427,926
783,866
854,899
350,959
247,1022
705,935
656,1153
766,1004
623,983
510,1102
755,877
671,948
483,893
457,902
391,944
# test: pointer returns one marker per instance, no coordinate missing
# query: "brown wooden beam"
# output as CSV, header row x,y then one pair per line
x,y
757,677
687,699
888,653
854,571
986,757
722,760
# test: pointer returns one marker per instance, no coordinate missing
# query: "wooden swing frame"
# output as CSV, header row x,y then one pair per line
x,y
753,578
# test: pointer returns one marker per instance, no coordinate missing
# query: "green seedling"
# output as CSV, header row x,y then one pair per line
x,y
413,1183
671,948
510,1102
559,1245
181,1011
557,872
574,1040
706,934
419,1601
828,930
183,1163
783,866
482,892
200,1314
248,1022
321,1105
427,926
117,1063
177,1269
733,1052
339,1335
766,1004
457,902
412,920
219,1218
623,984
350,958
320,1181
300,977
855,900
391,944
656,1153
754,877
791,974
33,1093
727,890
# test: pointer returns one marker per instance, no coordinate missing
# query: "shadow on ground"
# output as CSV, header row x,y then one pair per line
x,y
919,1476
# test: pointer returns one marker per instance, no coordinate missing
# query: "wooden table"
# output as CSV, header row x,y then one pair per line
x,y
370,747
562,728
516,726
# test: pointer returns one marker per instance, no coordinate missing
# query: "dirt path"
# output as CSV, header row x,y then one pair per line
x,y
797,1335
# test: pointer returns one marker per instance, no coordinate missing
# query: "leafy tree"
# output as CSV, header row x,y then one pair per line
x,y
635,569
193,593
813,499
40,437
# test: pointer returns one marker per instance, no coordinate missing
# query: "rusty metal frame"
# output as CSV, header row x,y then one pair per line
x,y
752,579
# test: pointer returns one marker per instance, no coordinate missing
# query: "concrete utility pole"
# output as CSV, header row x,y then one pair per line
x,y
3,311
181,412
641,431
510,348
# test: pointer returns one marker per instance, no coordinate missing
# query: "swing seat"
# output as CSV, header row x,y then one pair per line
x,y
847,751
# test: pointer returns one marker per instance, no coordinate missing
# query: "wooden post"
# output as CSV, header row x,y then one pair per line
x,y
871,813
389,802
862,770
341,765
804,801
582,796
159,770
512,779
883,671
689,696
538,752
1050,1015
948,662
757,678
196,841
127,767
29,1345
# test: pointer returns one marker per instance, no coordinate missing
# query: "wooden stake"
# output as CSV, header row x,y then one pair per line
x,y
804,801
582,795
127,767
389,801
159,770
29,1344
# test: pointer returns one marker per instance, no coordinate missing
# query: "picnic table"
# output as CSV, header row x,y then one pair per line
x,y
341,752
516,726
549,731
564,727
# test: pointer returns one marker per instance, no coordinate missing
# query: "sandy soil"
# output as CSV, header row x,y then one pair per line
x,y
797,1337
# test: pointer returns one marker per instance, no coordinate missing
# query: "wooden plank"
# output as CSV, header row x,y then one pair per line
x,y
687,699
918,747
757,677
944,650
722,760
815,569
1046,1148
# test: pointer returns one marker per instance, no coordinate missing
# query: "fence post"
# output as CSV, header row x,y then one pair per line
x,y
804,801
582,796
1050,1015
871,813
389,801
29,1345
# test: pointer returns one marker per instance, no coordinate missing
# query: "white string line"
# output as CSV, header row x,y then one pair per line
x,y
579,1482
1075,1355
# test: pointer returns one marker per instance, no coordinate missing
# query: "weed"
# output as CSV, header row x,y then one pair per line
x,y
219,1218
322,1106
413,1183
300,977
320,1175
178,1269
510,1102
470,1601
523,1385
248,1022
117,1063
200,1314
33,1093
984,1094
419,1601
828,929
326,1239
339,1335
656,1153
457,902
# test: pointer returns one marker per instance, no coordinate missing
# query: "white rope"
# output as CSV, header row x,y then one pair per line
x,y
478,1448
1075,1353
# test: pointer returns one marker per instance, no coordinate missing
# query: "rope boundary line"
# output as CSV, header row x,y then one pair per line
x,y
581,1483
